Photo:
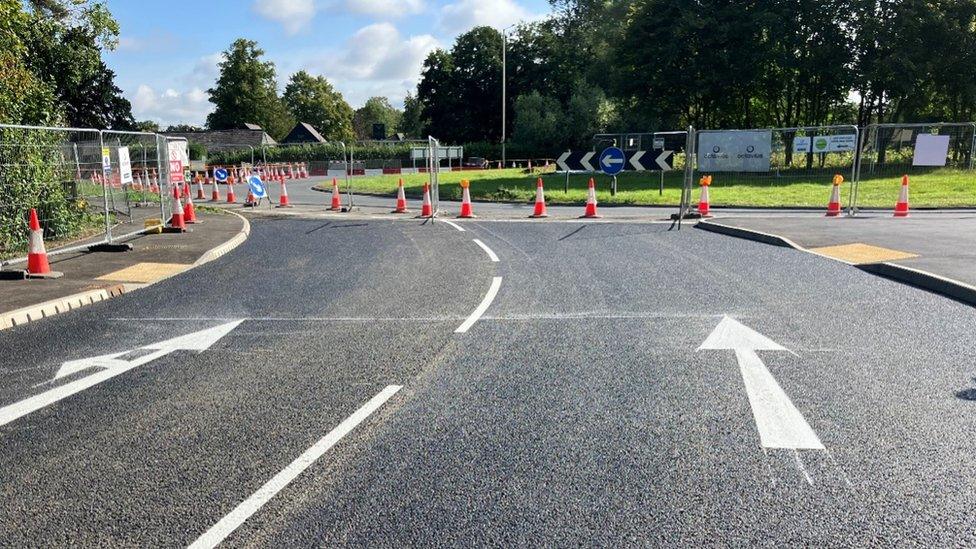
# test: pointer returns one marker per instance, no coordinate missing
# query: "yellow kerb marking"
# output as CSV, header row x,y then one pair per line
x,y
860,254
145,272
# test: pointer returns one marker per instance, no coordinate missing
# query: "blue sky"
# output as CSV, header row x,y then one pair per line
x,y
168,51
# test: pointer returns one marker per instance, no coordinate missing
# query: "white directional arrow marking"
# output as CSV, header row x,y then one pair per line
x,y
611,160
662,160
779,423
585,161
561,161
635,161
112,365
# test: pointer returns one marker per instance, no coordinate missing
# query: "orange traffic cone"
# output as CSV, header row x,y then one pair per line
x,y
231,199
833,207
177,222
37,264
215,193
540,201
703,205
427,209
283,199
466,210
336,197
401,203
189,214
201,194
590,211
154,184
901,208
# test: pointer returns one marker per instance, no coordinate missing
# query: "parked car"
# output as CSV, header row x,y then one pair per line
x,y
475,162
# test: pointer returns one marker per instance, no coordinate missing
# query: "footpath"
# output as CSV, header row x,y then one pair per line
x,y
934,250
90,277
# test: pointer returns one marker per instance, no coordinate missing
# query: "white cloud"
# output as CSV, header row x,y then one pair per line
x,y
170,106
386,9
293,15
462,15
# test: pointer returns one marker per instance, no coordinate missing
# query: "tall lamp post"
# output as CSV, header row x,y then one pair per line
x,y
504,90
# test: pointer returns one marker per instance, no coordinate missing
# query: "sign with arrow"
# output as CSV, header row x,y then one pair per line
x,y
613,161
108,366
257,187
220,174
779,422
639,161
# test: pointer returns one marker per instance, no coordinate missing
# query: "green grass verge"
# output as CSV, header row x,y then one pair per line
x,y
936,188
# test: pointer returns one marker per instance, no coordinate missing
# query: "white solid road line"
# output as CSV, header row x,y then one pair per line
x,y
251,505
496,283
453,224
491,254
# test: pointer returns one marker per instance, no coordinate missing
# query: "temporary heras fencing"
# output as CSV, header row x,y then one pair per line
x,y
89,187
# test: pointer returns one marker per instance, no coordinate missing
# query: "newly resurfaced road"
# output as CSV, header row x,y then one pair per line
x,y
388,383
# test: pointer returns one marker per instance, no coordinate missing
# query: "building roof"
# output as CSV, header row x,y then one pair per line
x,y
303,133
227,139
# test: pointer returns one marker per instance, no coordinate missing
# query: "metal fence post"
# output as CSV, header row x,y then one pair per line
x,y
105,184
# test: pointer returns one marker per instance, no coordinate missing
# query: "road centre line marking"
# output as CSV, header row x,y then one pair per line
x,y
219,532
453,224
491,254
496,283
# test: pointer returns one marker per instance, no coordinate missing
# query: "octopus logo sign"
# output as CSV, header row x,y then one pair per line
x,y
735,151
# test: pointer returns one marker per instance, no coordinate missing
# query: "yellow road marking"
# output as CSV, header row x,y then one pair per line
x,y
860,254
145,272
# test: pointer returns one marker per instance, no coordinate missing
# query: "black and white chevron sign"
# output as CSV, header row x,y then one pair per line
x,y
637,161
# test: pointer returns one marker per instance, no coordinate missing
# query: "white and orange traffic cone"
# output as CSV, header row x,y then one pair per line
x,y
189,213
154,184
590,211
177,222
703,203
833,207
305,174
466,210
201,194
336,197
283,199
901,208
427,208
231,199
215,191
401,202
540,201
37,264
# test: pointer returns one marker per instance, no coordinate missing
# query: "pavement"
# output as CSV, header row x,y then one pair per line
x,y
109,274
938,242
386,382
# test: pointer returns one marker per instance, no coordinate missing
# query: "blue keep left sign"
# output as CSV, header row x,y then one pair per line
x,y
220,174
612,161
257,187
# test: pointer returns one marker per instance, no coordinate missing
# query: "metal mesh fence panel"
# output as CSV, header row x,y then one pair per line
x,y
58,172
785,167
135,195
937,157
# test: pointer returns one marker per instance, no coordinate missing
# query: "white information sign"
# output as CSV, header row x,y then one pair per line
x,y
801,144
125,166
734,151
931,150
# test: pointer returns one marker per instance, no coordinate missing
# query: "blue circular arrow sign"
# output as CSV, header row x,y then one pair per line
x,y
257,187
612,161
220,174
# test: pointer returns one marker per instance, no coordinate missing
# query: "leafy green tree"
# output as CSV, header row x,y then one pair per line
x,y
147,126
247,92
412,123
538,122
24,98
314,100
377,110
437,96
183,128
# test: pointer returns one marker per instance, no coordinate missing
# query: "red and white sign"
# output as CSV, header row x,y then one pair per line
x,y
176,171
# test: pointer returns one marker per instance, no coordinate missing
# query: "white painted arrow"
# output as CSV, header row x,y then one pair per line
x,y
662,160
635,161
561,161
112,365
778,421
585,161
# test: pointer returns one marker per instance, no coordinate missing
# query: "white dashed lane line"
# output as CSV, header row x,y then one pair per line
x,y
491,254
496,283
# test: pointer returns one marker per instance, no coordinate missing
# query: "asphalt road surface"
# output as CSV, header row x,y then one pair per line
x,y
387,383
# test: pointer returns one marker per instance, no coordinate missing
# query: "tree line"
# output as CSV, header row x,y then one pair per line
x,y
653,65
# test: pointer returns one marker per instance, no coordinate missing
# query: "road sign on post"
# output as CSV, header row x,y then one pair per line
x,y
220,174
612,161
640,161
257,187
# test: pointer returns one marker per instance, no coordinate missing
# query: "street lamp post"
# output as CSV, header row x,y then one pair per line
x,y
504,90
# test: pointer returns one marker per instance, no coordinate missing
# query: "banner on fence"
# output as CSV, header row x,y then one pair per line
x,y
734,151
125,166
931,150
